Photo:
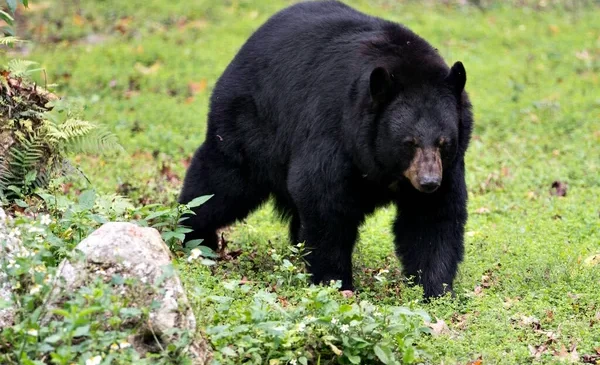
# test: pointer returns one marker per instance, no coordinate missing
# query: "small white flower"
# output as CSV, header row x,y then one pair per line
x,y
293,362
124,344
48,279
114,347
35,289
334,320
309,319
25,253
46,220
12,264
301,327
384,271
96,360
344,328
195,253
16,232
40,268
32,332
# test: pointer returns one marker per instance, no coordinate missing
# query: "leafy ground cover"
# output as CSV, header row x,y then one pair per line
x,y
528,289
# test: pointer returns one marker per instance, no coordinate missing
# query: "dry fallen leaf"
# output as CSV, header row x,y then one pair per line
x,y
537,351
593,260
570,355
478,290
459,321
284,302
197,87
147,70
335,349
440,327
478,361
530,321
78,20
590,359
482,210
122,24
559,188
486,281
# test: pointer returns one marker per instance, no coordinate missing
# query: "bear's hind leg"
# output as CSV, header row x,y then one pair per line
x,y
235,195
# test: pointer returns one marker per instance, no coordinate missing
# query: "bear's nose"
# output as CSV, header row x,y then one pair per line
x,y
429,184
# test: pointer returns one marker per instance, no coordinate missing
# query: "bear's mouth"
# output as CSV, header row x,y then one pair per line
x,y
425,170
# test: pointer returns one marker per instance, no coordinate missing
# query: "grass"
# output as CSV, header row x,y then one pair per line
x,y
147,69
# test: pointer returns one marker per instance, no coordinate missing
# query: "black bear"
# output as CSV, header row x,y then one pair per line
x,y
334,113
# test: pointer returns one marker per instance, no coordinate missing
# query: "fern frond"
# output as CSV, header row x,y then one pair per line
x,y
20,68
97,142
7,41
4,174
24,165
69,129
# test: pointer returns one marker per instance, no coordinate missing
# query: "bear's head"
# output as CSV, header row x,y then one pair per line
x,y
418,122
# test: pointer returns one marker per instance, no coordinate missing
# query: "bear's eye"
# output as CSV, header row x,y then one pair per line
x,y
442,141
410,142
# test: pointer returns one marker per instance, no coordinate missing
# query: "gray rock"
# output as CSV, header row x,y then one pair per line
x,y
8,245
130,251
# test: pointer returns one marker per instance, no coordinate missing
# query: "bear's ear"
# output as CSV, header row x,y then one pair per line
x,y
380,84
457,78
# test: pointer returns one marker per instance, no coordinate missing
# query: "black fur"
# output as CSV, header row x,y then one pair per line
x,y
321,109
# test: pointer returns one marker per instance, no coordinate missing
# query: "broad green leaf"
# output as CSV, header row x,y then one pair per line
x,y
82,331
207,252
193,243
383,353
91,310
12,5
409,355
60,312
5,304
354,359
87,199
157,214
207,262
199,201
228,351
52,339
6,17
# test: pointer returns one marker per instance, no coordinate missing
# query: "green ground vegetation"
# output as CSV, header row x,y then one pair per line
x,y
529,288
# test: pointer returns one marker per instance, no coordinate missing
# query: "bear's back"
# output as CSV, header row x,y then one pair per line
x,y
293,76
